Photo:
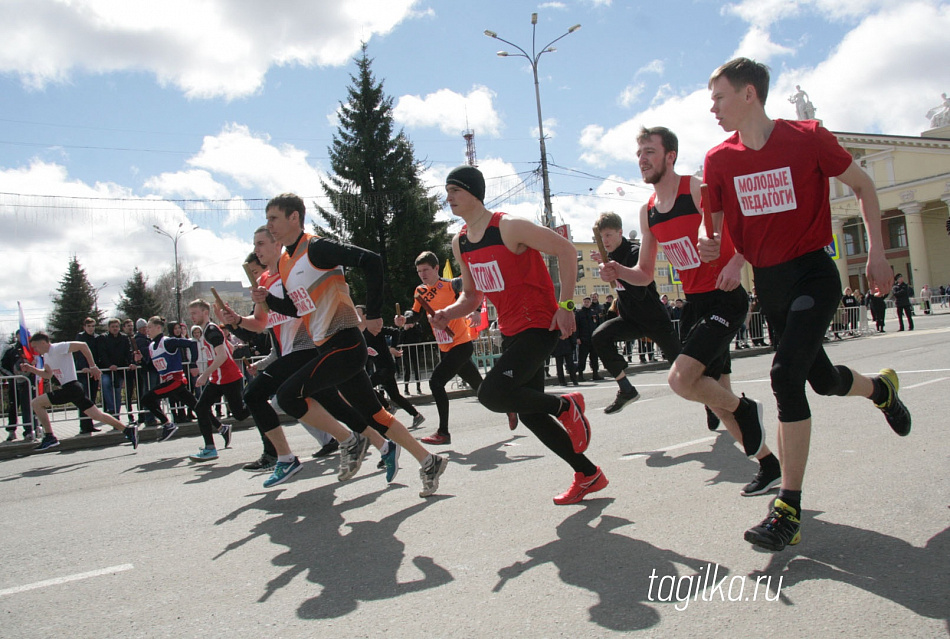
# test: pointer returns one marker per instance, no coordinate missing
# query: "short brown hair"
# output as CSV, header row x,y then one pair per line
x,y
741,72
200,303
288,203
608,220
668,139
427,257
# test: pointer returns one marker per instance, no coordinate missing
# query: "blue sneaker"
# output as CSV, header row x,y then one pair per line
x,y
204,454
390,461
49,441
282,472
225,432
132,434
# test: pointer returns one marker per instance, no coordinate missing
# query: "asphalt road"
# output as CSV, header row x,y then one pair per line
x,y
106,542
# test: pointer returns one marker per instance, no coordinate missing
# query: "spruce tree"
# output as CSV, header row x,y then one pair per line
x,y
376,193
138,300
75,301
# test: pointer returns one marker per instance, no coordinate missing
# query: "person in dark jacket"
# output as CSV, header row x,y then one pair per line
x,y
587,322
83,368
113,352
902,292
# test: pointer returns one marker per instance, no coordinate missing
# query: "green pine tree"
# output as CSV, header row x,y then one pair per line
x,y
376,193
138,300
75,301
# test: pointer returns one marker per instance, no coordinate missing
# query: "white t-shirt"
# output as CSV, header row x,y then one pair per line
x,y
60,361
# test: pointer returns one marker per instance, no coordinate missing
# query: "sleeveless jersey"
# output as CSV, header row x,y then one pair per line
x,y
677,232
290,333
321,296
228,371
167,364
518,285
438,297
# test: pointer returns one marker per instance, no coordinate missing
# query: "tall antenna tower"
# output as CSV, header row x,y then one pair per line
x,y
469,136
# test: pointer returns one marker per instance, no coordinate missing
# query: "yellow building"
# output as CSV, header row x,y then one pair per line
x,y
912,177
591,282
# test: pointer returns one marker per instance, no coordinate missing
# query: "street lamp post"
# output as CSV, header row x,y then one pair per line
x,y
96,298
533,59
174,238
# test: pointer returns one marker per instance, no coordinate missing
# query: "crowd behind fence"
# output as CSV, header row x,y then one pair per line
x,y
415,367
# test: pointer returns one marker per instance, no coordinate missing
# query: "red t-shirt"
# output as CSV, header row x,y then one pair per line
x,y
677,232
519,286
775,199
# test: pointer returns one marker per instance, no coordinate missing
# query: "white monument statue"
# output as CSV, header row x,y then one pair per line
x,y
804,109
940,115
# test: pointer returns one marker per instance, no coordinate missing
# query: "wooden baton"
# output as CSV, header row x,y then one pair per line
x,y
250,277
429,311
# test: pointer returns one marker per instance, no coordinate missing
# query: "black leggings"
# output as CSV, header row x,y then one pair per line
x,y
175,391
386,377
652,322
455,361
800,298
516,385
210,396
339,362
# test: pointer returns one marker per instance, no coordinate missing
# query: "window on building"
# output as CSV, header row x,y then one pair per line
x,y
660,256
595,272
580,291
897,232
602,289
852,240
662,273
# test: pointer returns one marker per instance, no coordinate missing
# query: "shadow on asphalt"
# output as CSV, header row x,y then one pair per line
x,y
351,561
490,457
889,567
615,567
725,459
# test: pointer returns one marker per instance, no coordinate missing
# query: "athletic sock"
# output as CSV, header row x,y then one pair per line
x,y
793,498
428,461
349,441
770,461
625,385
285,459
880,393
385,448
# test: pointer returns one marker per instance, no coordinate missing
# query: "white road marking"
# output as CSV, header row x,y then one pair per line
x,y
62,580
671,448
932,381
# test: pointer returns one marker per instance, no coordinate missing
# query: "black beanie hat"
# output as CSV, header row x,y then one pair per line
x,y
468,178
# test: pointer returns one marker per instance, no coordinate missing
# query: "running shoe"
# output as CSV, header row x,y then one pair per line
x,y
11,436
712,419
621,400
49,441
417,420
749,418
765,480
264,462
328,449
781,528
575,423
167,431
225,433
581,486
893,408
29,437
132,434
430,475
282,472
351,457
204,454
390,461
437,439
512,421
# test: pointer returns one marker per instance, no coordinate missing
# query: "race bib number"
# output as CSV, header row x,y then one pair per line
x,y
766,192
58,372
487,276
441,337
302,301
160,364
681,253
276,319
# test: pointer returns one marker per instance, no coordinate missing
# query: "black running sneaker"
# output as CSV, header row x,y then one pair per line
x,y
781,528
264,462
765,480
621,400
132,434
712,419
893,408
749,418
328,449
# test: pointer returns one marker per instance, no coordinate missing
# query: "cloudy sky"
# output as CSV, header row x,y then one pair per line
x,y
115,116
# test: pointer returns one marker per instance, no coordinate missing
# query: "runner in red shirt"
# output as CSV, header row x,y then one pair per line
x,y
500,256
770,181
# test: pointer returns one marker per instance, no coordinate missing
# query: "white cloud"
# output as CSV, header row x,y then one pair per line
x,y
757,44
196,183
106,227
552,5
550,124
450,111
653,66
206,48
630,94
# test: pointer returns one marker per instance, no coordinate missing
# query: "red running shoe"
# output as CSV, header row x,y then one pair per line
x,y
512,421
575,423
582,486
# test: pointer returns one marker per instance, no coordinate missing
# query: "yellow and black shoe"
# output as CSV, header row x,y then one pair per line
x,y
893,408
781,528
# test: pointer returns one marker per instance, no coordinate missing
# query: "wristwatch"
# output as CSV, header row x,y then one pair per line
x,y
567,305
